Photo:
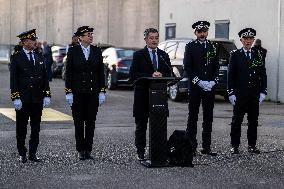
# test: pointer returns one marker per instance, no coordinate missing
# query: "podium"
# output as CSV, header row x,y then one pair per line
x,y
158,113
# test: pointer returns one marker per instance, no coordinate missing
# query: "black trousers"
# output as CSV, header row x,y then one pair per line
x,y
140,133
32,111
84,112
243,105
196,96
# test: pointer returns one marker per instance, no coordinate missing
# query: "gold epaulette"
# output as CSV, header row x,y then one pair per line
x,y
15,95
103,89
47,93
67,91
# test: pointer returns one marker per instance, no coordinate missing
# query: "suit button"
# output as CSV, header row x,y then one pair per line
x,y
91,80
31,86
249,82
31,77
91,89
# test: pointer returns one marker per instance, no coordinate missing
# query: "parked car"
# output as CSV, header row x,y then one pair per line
x,y
58,53
117,63
176,47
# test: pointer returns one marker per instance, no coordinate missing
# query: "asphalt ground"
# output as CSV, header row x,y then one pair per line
x,y
115,164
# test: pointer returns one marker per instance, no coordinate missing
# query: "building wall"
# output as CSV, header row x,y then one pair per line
x,y
262,15
117,22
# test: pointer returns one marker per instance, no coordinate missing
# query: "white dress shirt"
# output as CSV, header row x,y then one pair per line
x,y
246,52
86,51
151,56
28,55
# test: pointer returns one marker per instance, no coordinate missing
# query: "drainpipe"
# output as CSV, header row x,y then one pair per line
x,y
278,50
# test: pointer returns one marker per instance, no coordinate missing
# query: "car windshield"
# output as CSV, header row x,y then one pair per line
x,y
62,51
122,53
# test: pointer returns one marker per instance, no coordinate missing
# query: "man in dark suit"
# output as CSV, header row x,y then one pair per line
x,y
85,88
29,92
247,82
148,62
47,54
202,67
258,46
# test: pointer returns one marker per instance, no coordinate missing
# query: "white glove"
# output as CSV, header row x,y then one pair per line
x,y
18,104
261,98
205,86
69,99
232,99
46,102
102,98
212,83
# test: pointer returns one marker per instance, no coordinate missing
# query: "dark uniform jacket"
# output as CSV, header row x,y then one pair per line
x,y
201,63
84,76
28,80
246,77
142,66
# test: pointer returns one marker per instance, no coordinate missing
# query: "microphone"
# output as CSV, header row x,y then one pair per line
x,y
170,68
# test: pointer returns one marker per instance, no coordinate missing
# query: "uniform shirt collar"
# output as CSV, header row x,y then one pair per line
x,y
27,51
85,48
246,50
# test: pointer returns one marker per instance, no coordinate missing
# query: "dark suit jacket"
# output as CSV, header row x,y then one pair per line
x,y
84,76
142,66
246,77
197,64
28,81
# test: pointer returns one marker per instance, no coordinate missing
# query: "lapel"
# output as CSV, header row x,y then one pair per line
x,y
82,56
25,57
92,54
147,57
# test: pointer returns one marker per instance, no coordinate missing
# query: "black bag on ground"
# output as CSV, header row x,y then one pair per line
x,y
180,152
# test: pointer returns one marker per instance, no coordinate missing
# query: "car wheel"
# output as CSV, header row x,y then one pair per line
x,y
174,93
110,82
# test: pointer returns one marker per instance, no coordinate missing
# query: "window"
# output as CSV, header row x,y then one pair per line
x,y
170,31
222,29
171,49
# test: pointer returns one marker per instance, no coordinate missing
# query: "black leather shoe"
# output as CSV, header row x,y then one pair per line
x,y
34,158
234,150
88,155
23,159
253,149
207,151
81,155
140,156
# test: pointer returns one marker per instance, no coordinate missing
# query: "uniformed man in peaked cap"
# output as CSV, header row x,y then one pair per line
x,y
29,92
247,83
202,67
85,88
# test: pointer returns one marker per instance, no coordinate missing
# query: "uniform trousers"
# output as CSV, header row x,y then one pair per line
x,y
140,133
84,112
32,111
243,105
196,96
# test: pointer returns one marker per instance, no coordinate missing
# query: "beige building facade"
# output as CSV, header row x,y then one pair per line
x,y
116,22
227,18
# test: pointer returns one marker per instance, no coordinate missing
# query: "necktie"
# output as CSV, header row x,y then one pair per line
x,y
154,60
204,45
31,58
247,55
